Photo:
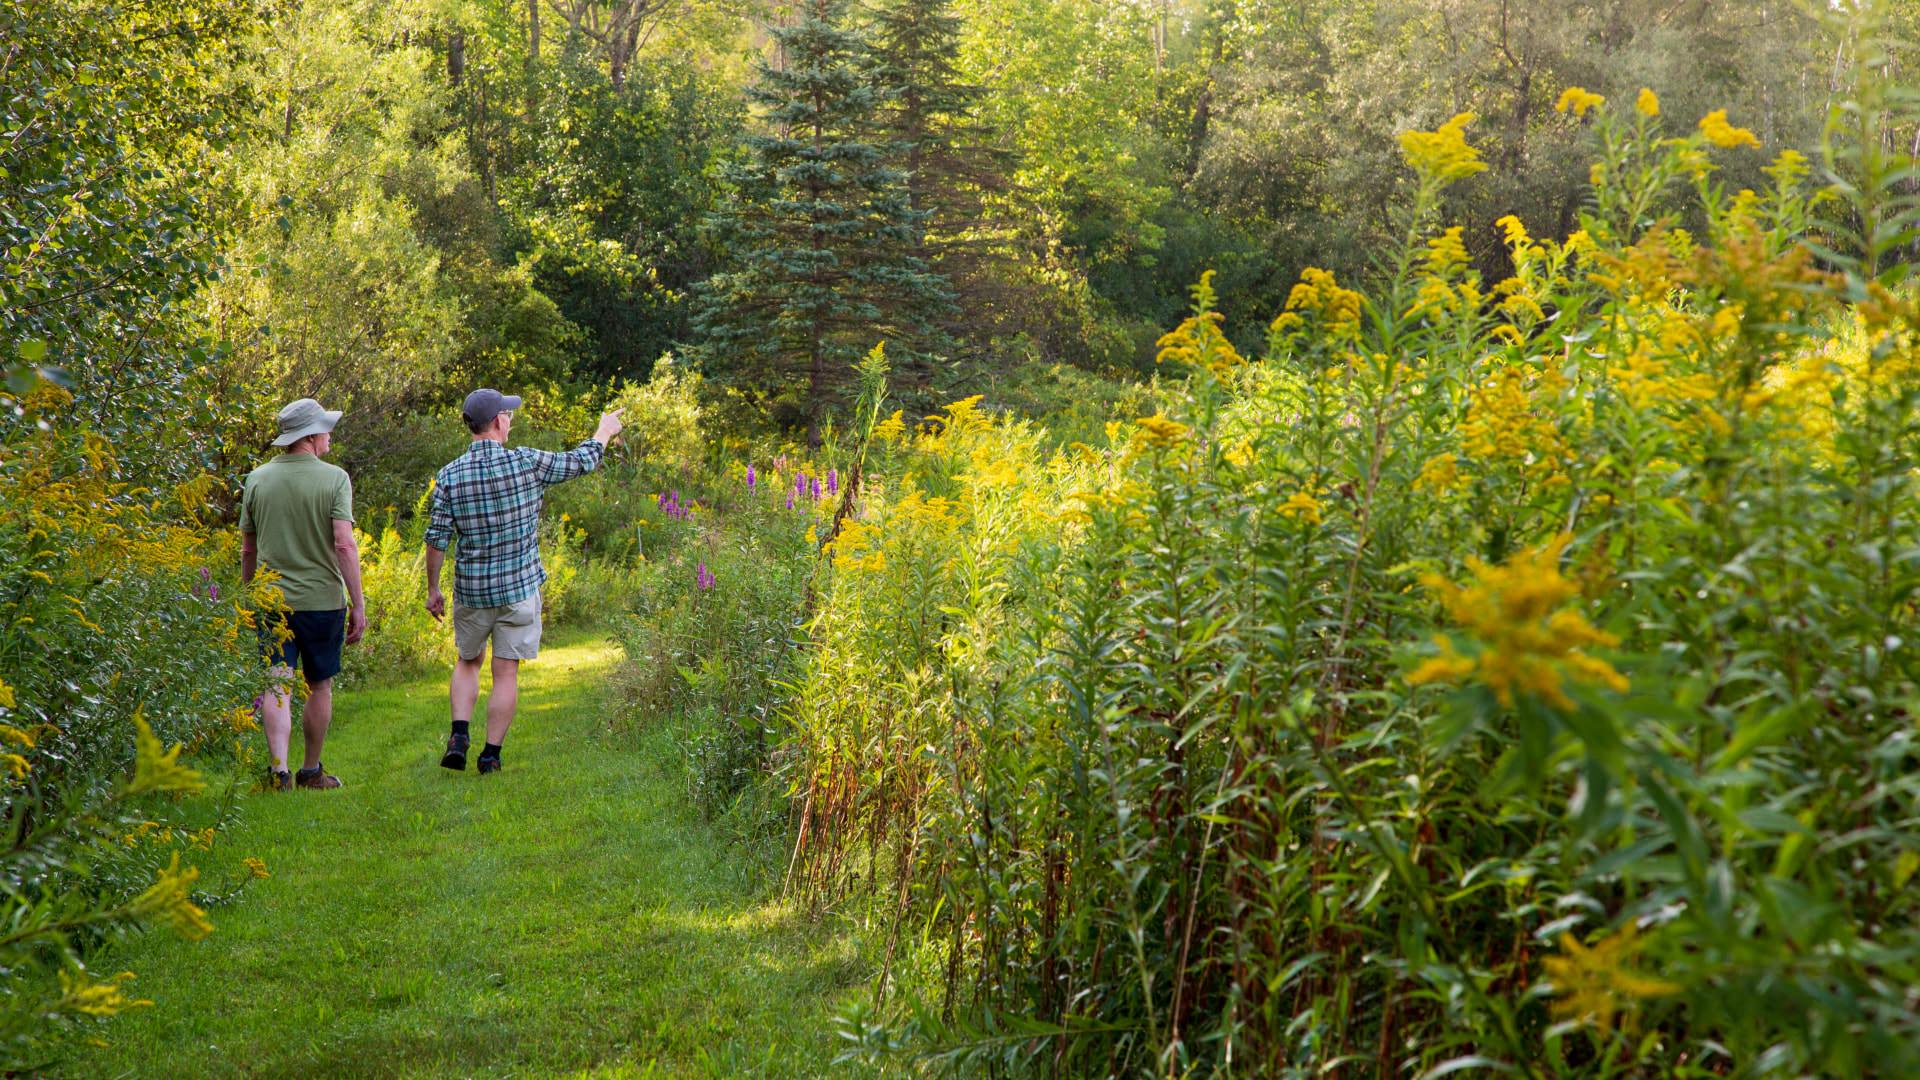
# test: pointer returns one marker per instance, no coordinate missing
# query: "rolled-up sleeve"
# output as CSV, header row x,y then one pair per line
x,y
551,468
439,517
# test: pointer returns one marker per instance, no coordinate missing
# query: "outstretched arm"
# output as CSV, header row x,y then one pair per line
x,y
554,468
609,428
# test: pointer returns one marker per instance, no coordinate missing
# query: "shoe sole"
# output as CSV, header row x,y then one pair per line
x,y
455,761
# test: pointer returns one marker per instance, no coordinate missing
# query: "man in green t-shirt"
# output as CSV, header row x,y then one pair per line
x,y
296,519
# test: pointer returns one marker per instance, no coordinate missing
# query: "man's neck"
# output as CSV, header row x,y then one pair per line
x,y
303,452
491,437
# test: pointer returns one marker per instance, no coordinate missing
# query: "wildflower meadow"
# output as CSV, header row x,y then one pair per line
x,y
1148,539
1501,676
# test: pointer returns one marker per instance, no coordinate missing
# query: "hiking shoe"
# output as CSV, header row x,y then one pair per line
x,y
316,778
456,756
489,765
279,780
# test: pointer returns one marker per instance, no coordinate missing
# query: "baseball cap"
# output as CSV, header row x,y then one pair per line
x,y
483,405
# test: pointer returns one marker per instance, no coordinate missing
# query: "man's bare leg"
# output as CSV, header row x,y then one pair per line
x,y
502,699
314,719
466,687
276,716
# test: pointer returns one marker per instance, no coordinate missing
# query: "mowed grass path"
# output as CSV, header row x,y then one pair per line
x,y
567,916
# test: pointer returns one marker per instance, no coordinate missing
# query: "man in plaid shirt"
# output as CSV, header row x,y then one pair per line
x,y
489,500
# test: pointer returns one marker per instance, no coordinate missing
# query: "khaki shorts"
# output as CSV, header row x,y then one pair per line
x,y
515,630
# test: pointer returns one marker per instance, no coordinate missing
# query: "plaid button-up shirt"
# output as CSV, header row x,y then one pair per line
x,y
489,497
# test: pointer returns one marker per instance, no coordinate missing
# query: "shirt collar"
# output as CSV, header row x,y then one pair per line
x,y
474,447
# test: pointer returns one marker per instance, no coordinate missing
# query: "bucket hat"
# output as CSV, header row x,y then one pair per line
x,y
303,418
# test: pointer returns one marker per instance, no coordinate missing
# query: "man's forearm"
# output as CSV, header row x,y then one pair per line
x,y
434,558
349,560
249,559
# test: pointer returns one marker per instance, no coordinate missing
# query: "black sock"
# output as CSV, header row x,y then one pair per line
x,y
460,727
491,750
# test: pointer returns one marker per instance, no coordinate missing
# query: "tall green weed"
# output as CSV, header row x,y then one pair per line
x,y
1505,675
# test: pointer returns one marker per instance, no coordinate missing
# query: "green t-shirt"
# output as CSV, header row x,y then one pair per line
x,y
289,505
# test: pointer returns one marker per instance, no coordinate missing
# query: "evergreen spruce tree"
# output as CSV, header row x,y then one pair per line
x,y
822,231
930,117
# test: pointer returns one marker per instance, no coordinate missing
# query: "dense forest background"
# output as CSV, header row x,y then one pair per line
x,y
383,204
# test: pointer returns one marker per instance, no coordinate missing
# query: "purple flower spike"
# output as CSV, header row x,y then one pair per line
x,y
752,478
206,575
833,481
213,592
789,500
703,578
814,489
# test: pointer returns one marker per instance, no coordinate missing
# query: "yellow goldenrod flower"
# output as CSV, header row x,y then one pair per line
x,y
255,867
1161,432
1528,642
1443,154
961,417
1435,297
79,993
1648,103
1198,341
1788,168
1645,381
1507,420
16,766
1720,133
1439,475
1596,984
1318,293
158,769
169,902
1446,251
1578,100
1301,506
1515,230
240,720
6,694
891,429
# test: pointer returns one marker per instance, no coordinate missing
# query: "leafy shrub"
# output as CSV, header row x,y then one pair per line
x,y
111,593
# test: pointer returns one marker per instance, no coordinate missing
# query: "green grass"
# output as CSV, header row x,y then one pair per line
x,y
567,916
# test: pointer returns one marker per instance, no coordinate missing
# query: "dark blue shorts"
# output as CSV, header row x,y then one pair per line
x,y
315,645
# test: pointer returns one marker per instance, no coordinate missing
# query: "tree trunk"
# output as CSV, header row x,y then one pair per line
x,y
456,56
